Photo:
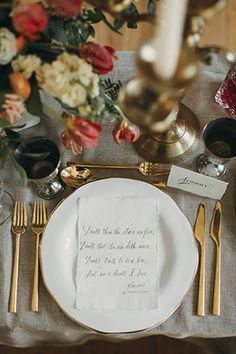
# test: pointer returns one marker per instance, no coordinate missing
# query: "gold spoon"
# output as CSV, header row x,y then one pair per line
x,y
76,177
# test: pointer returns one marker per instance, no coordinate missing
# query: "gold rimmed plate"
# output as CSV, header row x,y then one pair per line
x,y
178,258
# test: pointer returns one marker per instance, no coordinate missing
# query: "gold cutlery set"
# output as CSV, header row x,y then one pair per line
x,y
19,225
145,168
200,235
78,173
39,220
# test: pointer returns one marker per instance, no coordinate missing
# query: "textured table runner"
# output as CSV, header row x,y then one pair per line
x,y
50,325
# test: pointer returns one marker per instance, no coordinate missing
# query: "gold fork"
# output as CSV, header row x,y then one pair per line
x,y
39,219
19,223
145,168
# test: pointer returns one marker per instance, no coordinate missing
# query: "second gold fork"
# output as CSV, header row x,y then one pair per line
x,y
39,219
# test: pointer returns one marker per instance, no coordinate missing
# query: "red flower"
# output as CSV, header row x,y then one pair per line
x,y
125,131
66,7
79,132
29,19
98,56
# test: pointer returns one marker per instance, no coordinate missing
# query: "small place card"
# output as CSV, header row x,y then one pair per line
x,y
117,266
196,183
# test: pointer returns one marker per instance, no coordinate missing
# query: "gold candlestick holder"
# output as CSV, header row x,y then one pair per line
x,y
170,129
173,145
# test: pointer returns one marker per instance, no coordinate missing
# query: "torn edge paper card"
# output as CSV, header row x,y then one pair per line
x,y
117,266
196,183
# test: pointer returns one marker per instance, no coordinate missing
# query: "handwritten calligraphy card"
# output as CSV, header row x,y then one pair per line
x,y
117,264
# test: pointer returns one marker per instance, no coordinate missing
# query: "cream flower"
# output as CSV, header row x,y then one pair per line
x,y
7,46
26,64
94,88
74,96
84,110
70,79
86,6
52,80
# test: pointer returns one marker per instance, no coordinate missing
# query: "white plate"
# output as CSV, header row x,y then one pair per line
x,y
178,258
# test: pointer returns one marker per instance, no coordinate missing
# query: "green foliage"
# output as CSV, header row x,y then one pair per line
x,y
70,31
4,74
3,123
132,12
78,31
44,50
97,15
64,33
118,23
56,29
151,6
33,103
131,15
111,88
110,91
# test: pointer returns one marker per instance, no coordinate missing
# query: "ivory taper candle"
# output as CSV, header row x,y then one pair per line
x,y
169,35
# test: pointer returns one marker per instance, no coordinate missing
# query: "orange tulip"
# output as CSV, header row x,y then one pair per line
x,y
20,42
20,85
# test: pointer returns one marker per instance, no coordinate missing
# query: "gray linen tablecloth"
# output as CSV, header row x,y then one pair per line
x,y
50,325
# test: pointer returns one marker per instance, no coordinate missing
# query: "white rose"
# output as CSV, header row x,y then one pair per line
x,y
74,96
27,64
7,46
94,90
51,80
70,79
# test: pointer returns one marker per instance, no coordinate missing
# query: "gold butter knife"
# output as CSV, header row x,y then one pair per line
x,y
215,233
200,235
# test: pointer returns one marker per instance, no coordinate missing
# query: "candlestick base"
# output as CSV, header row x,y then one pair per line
x,y
175,144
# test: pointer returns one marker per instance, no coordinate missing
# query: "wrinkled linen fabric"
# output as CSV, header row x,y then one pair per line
x,y
50,325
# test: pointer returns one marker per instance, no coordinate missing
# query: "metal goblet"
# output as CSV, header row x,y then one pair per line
x,y
42,171
219,137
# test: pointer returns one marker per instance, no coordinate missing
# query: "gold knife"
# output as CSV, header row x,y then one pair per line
x,y
215,233
200,235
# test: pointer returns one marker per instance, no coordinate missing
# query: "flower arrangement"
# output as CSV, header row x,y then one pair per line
x,y
45,44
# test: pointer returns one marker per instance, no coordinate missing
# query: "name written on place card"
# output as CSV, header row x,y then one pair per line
x,y
196,183
117,253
